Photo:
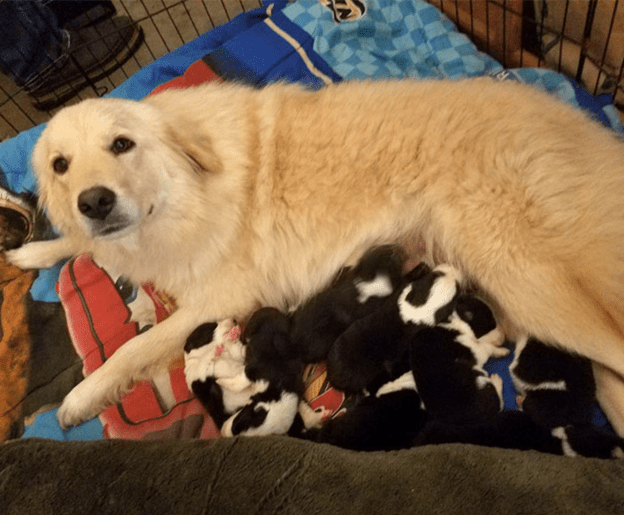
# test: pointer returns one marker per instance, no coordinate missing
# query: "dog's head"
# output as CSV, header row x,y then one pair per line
x,y
105,166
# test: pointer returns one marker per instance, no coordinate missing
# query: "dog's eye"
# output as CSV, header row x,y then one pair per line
x,y
60,165
121,145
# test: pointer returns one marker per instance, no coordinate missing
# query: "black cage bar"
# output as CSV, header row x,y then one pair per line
x,y
581,38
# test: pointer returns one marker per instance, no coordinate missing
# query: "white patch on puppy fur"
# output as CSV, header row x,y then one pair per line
x,y
312,418
279,418
522,386
482,350
559,433
495,337
442,292
380,286
405,382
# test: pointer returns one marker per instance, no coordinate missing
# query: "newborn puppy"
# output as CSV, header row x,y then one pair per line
x,y
215,370
555,388
373,349
356,293
447,355
447,362
557,396
276,370
388,420
249,387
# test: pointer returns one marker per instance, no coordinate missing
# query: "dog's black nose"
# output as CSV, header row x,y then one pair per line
x,y
97,202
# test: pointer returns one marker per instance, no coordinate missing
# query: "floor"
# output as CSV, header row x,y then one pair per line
x,y
167,24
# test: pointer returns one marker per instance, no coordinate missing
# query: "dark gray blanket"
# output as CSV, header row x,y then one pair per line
x,y
284,475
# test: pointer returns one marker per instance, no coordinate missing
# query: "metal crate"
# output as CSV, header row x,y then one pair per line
x,y
581,38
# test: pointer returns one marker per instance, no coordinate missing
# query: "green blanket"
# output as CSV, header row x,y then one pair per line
x,y
284,475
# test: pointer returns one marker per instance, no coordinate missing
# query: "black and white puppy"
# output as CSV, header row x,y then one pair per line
x,y
557,391
455,336
390,419
357,292
554,387
557,397
248,387
214,368
270,364
372,350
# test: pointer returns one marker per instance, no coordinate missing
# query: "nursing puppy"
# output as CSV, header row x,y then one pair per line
x,y
249,386
269,362
454,336
356,293
389,419
373,350
214,368
555,388
447,362
229,197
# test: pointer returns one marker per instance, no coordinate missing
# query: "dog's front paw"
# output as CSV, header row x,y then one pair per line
x,y
38,254
80,405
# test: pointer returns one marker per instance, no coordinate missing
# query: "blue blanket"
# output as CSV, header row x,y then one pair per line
x,y
314,44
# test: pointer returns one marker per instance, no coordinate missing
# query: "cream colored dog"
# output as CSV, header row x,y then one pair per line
x,y
229,198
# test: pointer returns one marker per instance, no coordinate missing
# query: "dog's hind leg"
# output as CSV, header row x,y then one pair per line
x,y
568,307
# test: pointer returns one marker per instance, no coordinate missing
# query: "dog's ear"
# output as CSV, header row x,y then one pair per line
x,y
196,148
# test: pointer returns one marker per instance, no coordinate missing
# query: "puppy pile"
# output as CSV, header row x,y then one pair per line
x,y
412,349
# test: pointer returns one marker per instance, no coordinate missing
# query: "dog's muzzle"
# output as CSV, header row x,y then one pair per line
x,y
103,212
97,203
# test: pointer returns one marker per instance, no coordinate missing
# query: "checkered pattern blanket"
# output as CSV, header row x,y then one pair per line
x,y
411,38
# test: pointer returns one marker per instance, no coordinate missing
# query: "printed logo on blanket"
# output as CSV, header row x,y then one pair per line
x,y
345,10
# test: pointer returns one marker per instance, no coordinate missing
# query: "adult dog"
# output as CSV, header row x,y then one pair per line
x,y
229,197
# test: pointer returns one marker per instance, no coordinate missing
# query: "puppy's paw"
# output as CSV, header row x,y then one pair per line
x,y
313,418
38,254
500,352
495,337
497,381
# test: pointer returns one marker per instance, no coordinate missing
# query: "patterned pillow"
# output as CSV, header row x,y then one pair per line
x,y
103,314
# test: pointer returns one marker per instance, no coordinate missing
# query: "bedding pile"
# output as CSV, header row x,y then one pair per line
x,y
289,476
71,317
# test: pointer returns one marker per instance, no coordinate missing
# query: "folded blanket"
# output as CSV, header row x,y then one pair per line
x,y
284,475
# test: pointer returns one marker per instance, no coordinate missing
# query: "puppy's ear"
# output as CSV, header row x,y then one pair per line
x,y
202,335
196,148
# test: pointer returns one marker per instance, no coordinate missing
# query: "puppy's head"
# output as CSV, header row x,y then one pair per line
x,y
479,316
105,166
430,299
268,341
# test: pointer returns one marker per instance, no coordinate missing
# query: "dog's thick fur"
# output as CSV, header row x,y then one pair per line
x,y
233,197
